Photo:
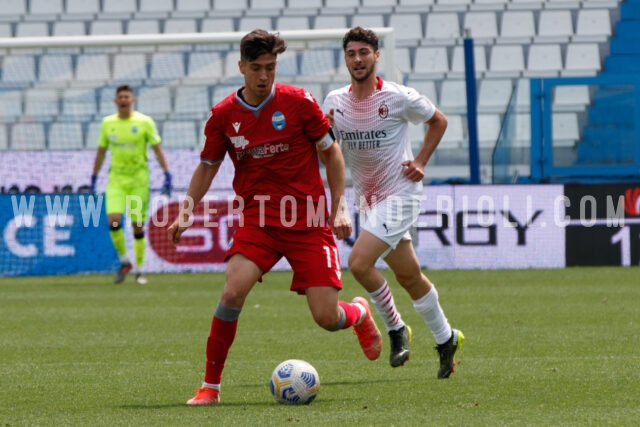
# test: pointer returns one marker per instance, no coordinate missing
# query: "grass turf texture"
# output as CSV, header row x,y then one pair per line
x,y
544,347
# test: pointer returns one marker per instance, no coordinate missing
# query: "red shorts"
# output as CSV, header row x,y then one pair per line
x,y
312,254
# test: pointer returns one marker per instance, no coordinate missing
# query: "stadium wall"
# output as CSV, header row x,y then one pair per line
x,y
459,226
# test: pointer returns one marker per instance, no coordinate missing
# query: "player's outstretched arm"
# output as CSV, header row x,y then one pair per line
x,y
198,187
340,221
101,153
162,161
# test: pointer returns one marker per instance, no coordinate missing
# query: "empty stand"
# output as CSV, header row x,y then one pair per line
x,y
582,59
457,61
544,60
443,27
555,26
129,68
191,102
453,97
154,101
82,6
506,61
166,67
41,104
180,134
28,136
483,26
93,69
79,104
65,136
119,6
45,7
431,61
4,139
10,105
494,95
18,70
55,70
204,66
571,98
517,26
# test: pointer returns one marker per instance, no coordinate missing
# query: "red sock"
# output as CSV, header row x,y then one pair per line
x,y
351,314
219,342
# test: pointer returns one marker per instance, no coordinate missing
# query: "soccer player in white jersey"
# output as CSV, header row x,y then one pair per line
x,y
371,119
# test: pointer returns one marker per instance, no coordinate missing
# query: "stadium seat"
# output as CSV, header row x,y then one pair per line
x,y
5,29
231,73
154,101
271,6
205,67
180,134
129,68
494,95
523,96
66,136
249,23
554,26
506,61
105,27
167,66
311,5
118,6
593,25
564,129
483,26
156,6
416,136
368,20
453,137
92,135
320,64
13,8
582,59
342,3
143,26
82,6
411,25
180,25
193,5
79,104
443,27
41,104
517,26
191,102
288,64
431,61
55,70
292,22
18,70
522,131
403,60
453,97
571,98
544,60
93,69
426,87
222,91
457,62
488,130
230,7
330,21
69,28
45,7
4,140
10,105
28,136
32,29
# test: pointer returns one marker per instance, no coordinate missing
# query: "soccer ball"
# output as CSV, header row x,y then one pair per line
x,y
294,382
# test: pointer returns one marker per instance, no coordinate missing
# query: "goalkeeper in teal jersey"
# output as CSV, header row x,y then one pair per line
x,y
126,134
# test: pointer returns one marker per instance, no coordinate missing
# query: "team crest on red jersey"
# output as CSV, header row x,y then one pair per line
x,y
383,111
278,120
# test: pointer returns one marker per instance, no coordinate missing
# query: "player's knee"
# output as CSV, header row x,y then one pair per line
x,y
358,266
326,321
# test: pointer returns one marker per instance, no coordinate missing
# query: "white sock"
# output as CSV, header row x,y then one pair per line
x,y
429,309
382,299
213,386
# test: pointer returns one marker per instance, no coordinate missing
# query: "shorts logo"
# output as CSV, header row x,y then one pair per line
x,y
278,120
632,201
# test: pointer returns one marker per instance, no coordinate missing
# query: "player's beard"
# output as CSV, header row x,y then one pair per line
x,y
369,71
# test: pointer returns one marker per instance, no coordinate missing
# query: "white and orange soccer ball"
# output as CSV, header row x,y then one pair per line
x,y
294,382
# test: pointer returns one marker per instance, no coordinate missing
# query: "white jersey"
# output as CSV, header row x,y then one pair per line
x,y
374,135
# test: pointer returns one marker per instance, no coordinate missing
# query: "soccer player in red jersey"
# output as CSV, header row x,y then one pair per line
x,y
371,119
273,133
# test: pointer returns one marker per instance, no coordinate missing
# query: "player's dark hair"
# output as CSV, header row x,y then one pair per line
x,y
259,42
123,88
359,34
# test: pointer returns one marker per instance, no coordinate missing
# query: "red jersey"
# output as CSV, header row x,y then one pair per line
x,y
272,146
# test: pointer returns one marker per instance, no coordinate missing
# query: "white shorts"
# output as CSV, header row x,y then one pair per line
x,y
392,219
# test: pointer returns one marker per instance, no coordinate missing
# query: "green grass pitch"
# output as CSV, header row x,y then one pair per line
x,y
544,347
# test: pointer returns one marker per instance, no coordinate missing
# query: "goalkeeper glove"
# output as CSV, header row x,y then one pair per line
x,y
167,187
94,180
